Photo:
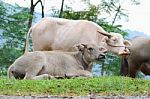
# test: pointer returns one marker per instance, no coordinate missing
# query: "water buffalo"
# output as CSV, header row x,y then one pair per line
x,y
139,58
48,64
61,34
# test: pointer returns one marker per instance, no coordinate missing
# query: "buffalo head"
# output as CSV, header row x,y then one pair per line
x,y
115,43
91,52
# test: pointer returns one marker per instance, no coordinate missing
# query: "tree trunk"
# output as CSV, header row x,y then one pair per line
x,y
31,13
42,6
102,69
118,10
61,10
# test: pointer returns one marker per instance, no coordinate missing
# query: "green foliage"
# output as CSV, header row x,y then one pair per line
x,y
9,55
2,15
114,8
3,71
110,28
112,65
109,67
74,87
13,26
91,14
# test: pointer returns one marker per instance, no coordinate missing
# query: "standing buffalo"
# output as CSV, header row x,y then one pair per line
x,y
139,58
47,64
62,34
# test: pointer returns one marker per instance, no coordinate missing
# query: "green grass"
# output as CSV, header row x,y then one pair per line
x,y
73,87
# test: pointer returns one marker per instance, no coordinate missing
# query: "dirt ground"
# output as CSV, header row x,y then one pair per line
x,y
78,97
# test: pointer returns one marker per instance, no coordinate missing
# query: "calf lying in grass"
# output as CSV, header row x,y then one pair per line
x,y
48,64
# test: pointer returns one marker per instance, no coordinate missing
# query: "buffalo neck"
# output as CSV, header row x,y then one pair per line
x,y
80,59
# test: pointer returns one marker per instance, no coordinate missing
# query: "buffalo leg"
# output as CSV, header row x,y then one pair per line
x,y
145,68
79,73
85,73
133,70
124,67
43,76
33,71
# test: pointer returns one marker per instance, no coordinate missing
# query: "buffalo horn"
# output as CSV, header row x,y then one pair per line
x,y
105,34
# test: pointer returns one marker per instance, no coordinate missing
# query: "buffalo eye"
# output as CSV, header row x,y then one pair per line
x,y
114,39
90,49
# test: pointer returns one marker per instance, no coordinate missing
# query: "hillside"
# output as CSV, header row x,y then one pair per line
x,y
132,34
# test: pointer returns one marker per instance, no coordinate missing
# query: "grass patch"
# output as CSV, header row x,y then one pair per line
x,y
75,87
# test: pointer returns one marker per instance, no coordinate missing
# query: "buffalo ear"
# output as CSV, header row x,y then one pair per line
x,y
127,43
105,34
80,47
105,39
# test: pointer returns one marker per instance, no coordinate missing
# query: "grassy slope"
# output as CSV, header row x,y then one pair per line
x,y
74,87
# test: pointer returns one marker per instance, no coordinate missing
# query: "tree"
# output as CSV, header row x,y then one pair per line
x,y
113,8
32,8
13,26
89,14
61,9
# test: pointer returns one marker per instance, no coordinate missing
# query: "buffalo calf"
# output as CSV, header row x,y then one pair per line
x,y
49,64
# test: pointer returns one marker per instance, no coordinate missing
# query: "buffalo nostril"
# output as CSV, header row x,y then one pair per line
x,y
102,56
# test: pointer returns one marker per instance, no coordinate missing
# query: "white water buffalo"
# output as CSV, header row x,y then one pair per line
x,y
47,64
61,34
139,58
